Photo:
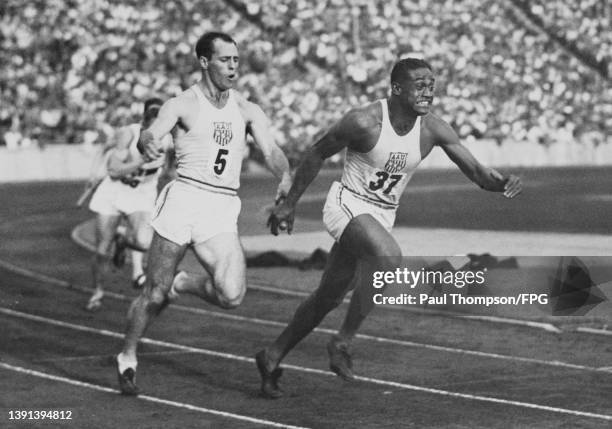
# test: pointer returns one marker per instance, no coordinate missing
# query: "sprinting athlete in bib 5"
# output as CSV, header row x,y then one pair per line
x,y
385,141
200,208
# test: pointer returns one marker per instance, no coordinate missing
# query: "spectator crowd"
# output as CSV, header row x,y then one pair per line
x,y
73,69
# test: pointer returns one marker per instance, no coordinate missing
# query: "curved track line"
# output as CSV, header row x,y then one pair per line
x,y
549,327
386,383
148,398
229,316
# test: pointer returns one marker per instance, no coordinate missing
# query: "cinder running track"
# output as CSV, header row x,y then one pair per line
x,y
417,369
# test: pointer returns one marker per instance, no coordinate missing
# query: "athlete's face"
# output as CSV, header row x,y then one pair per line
x,y
416,91
223,65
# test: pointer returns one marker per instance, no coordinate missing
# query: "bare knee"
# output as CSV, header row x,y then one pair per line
x,y
385,256
154,296
230,298
392,262
103,247
366,238
143,238
387,249
230,302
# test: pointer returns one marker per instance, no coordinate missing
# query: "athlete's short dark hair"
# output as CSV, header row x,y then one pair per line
x,y
153,101
404,66
151,109
205,44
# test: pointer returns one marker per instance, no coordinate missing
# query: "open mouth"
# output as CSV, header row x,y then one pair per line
x,y
423,103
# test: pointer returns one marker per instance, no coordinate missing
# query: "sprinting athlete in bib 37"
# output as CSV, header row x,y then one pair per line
x,y
385,141
200,208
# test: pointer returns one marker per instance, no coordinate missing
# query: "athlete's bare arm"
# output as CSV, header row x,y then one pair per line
x,y
119,164
258,125
168,168
356,129
487,178
149,143
99,163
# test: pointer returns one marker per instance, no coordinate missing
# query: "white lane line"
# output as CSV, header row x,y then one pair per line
x,y
598,197
371,380
489,399
594,330
229,316
109,357
148,398
33,275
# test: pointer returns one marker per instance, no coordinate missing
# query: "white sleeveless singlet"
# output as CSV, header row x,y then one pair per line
x,y
210,154
381,175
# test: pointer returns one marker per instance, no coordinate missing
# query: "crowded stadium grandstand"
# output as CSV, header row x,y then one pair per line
x,y
538,71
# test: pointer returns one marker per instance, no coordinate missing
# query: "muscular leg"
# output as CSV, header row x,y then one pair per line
x,y
378,251
335,283
223,258
105,230
364,242
141,238
363,237
164,256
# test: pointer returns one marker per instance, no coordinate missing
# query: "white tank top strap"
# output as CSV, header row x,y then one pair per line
x,y
387,130
385,111
199,94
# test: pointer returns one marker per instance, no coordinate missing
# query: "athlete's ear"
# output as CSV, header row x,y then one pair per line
x,y
203,62
396,88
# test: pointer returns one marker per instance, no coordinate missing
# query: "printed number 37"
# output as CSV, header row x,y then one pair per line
x,y
383,176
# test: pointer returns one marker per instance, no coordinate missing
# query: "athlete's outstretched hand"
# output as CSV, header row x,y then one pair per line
x,y
150,148
281,217
512,184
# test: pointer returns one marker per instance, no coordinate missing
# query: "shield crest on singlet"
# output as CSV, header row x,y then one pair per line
x,y
396,162
222,133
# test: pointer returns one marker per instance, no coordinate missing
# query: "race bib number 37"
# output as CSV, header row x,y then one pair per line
x,y
381,180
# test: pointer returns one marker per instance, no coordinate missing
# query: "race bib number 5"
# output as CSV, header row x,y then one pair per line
x,y
220,161
385,181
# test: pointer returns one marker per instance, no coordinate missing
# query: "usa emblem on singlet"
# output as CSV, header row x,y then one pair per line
x,y
396,162
222,133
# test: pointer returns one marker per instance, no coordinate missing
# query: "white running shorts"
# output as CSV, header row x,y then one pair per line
x,y
186,213
343,205
114,198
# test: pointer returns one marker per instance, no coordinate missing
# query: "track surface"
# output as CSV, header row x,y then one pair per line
x,y
418,371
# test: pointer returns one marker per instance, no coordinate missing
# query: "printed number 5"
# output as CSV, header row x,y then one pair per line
x,y
220,162
382,179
